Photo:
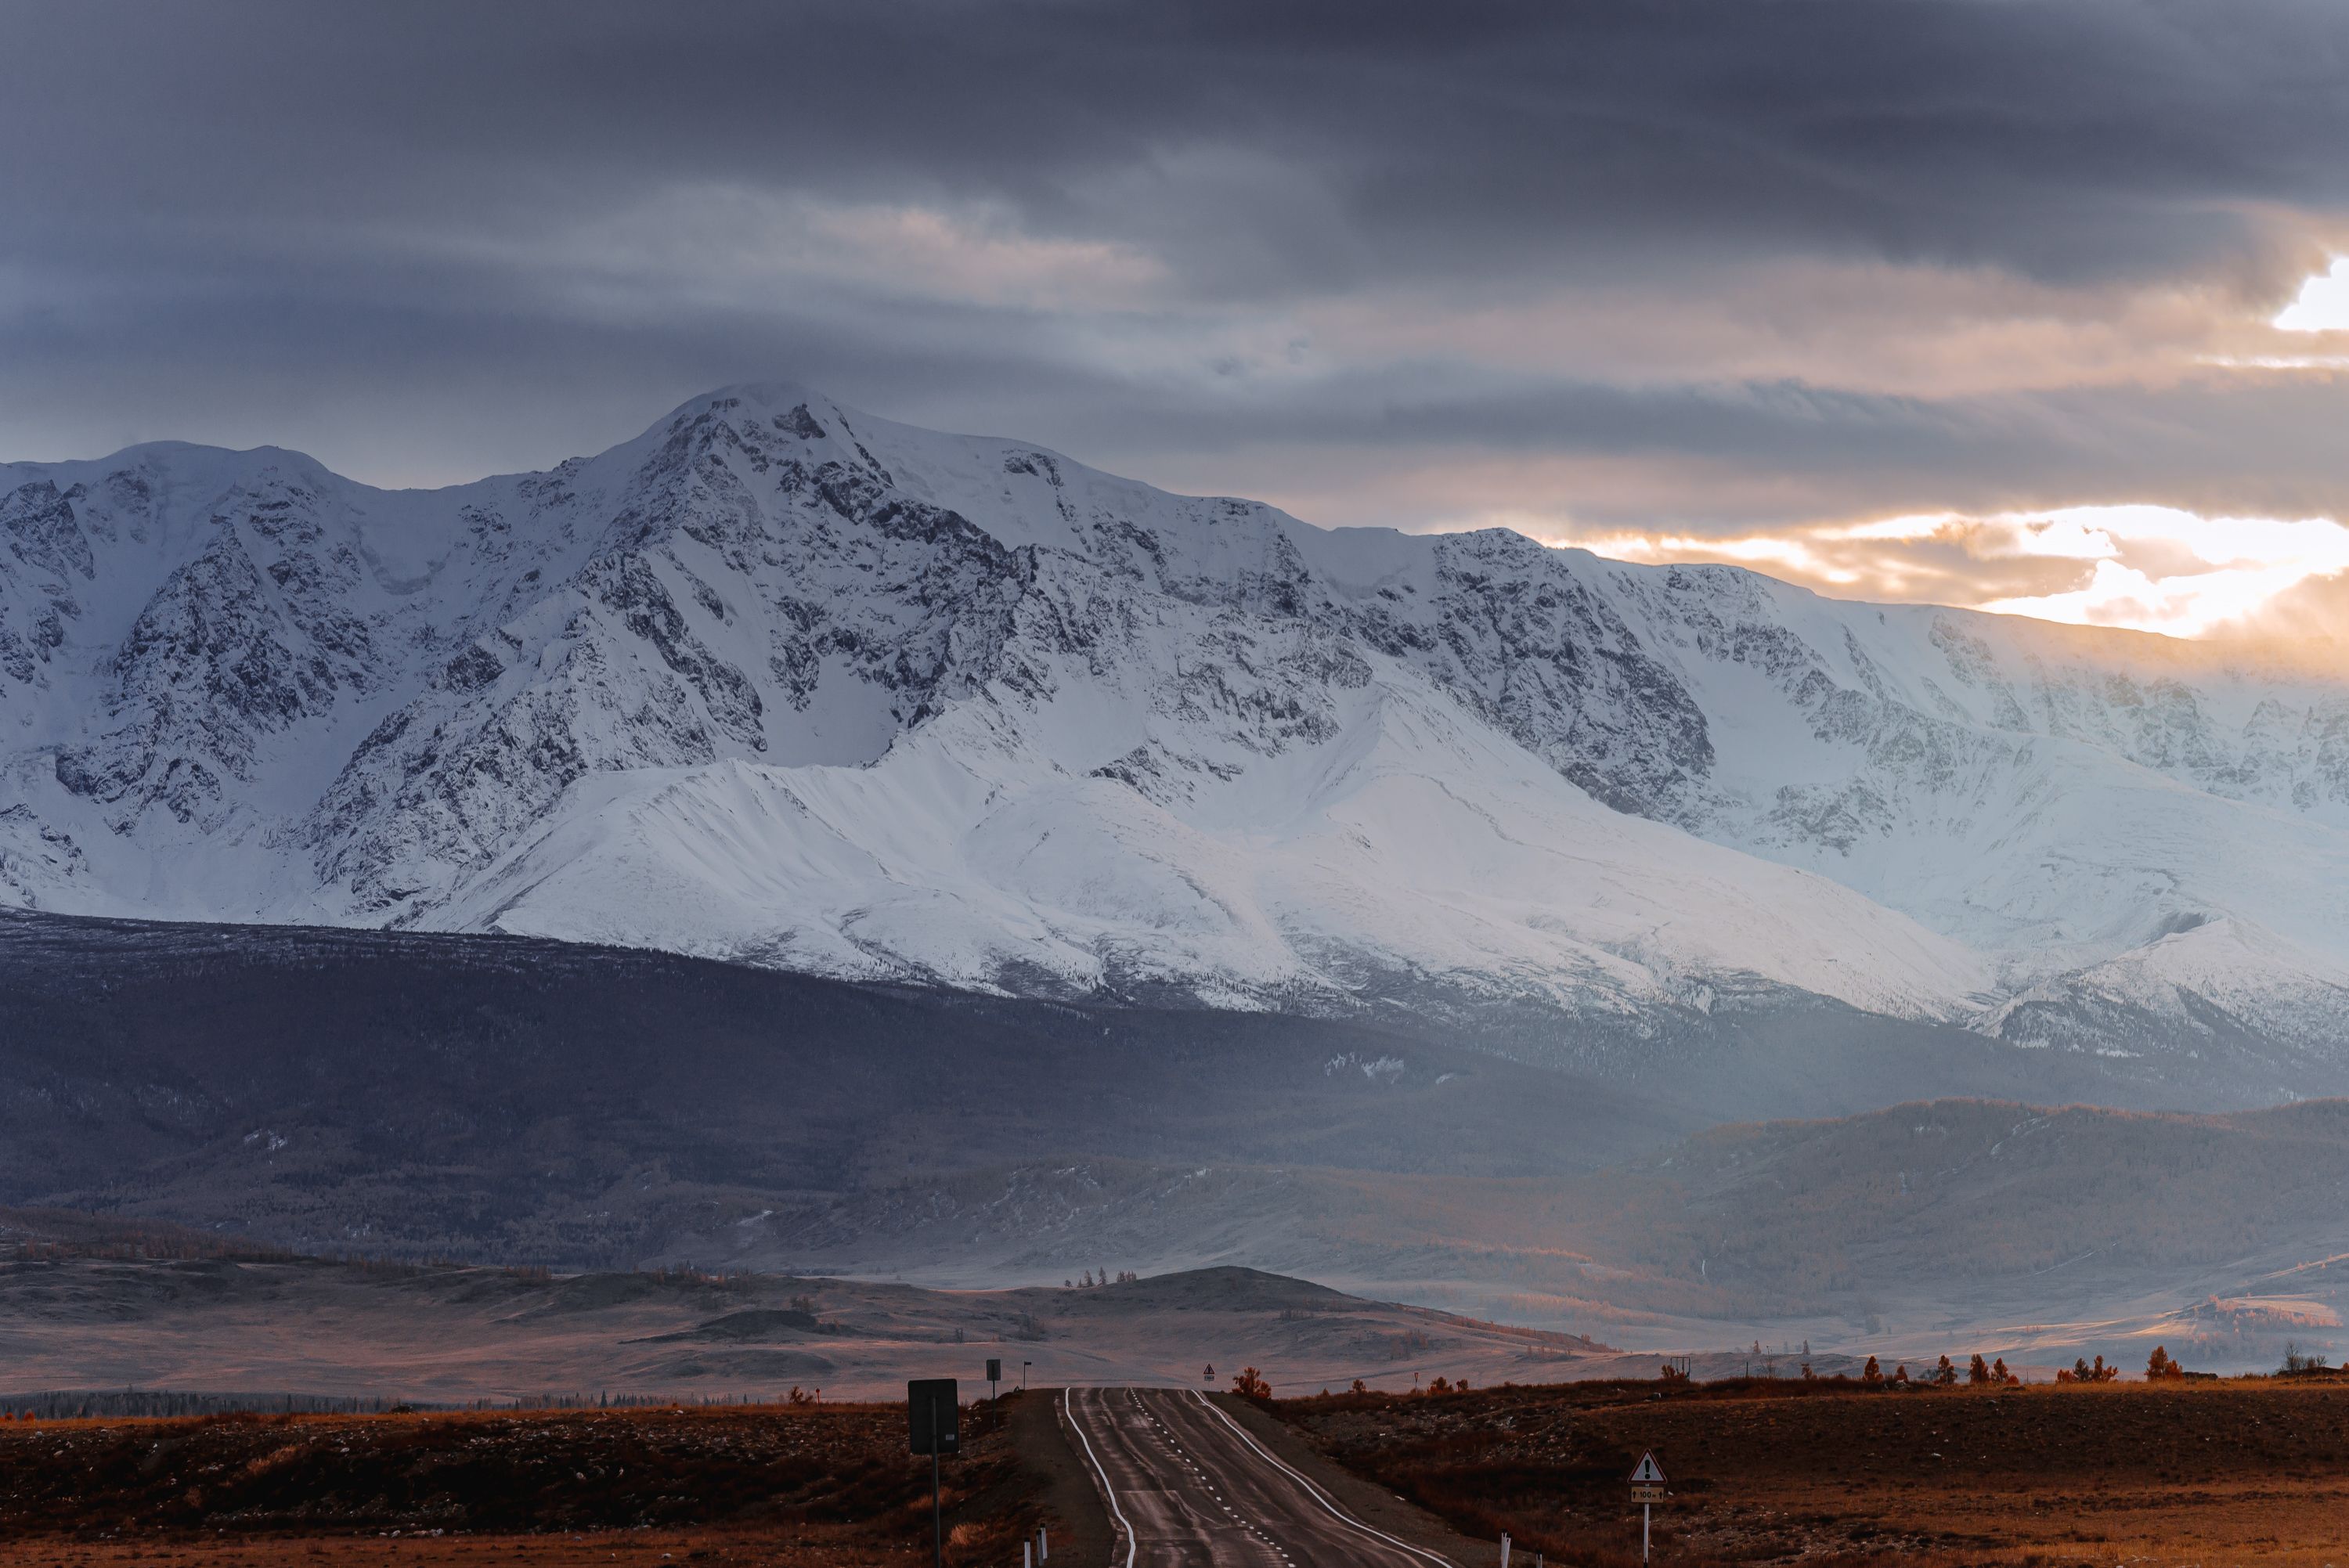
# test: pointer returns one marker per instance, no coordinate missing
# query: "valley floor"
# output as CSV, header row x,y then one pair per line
x,y
263,1329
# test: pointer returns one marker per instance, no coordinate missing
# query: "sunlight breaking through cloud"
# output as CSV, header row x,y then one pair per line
x,y
2322,305
2150,568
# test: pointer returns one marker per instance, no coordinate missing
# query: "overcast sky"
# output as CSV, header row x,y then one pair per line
x,y
1872,294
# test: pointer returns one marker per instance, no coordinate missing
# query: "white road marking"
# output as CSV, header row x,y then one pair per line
x,y
1331,1509
1068,1405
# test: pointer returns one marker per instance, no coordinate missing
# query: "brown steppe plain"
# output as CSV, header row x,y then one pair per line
x,y
2247,1470
724,1486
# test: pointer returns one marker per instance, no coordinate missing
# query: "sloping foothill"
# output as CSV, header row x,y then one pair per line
x,y
89,1305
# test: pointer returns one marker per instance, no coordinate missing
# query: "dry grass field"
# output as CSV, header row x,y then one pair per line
x,y
798,1486
2249,1471
2243,1471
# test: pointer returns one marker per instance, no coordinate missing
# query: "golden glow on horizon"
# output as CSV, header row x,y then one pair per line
x,y
2150,568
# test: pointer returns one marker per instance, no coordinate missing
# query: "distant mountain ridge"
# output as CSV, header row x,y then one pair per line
x,y
781,683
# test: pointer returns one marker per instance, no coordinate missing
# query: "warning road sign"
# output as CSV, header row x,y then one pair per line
x,y
1647,1487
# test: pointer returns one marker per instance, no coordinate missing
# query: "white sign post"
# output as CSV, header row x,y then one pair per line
x,y
1647,1490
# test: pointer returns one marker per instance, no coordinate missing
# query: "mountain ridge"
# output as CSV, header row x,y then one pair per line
x,y
783,683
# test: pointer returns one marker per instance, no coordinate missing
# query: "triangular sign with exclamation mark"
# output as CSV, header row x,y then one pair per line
x,y
1647,1474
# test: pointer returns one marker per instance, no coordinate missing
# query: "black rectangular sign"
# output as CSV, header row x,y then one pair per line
x,y
933,1414
993,1370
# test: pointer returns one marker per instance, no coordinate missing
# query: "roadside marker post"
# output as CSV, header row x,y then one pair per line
x,y
1505,1549
1647,1490
994,1375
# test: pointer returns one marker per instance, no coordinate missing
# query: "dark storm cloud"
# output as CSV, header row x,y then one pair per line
x,y
431,240
2266,446
2072,138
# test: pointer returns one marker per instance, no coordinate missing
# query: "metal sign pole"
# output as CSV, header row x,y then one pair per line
x,y
932,1425
1643,1531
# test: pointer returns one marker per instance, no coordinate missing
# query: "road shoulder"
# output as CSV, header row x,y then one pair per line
x,y
1071,1498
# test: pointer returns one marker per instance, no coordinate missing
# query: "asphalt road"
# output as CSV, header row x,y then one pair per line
x,y
1188,1486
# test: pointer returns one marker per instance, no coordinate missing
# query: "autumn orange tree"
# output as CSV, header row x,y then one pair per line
x,y
1250,1385
2159,1367
1978,1372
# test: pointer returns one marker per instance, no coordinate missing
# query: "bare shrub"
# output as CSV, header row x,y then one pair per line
x,y
2296,1360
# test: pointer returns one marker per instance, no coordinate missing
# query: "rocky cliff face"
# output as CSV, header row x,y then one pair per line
x,y
782,683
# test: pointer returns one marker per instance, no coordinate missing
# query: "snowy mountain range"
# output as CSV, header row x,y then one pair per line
x,y
785,684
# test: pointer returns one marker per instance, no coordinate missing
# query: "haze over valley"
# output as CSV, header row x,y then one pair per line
x,y
801,843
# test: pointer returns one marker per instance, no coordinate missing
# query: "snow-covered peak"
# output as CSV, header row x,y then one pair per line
x,y
783,681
